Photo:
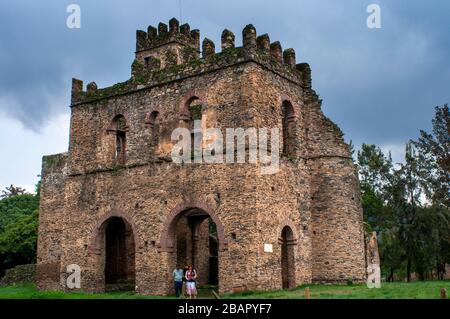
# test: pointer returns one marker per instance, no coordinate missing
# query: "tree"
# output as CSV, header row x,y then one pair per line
x,y
423,229
434,152
391,252
18,227
18,240
351,148
413,235
378,183
374,169
12,191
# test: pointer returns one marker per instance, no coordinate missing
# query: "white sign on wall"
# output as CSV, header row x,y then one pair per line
x,y
268,248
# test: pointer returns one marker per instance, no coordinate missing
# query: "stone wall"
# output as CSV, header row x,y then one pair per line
x,y
21,274
51,221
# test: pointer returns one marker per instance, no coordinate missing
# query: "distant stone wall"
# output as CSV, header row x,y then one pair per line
x,y
18,275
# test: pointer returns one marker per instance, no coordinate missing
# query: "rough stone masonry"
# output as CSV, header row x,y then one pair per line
x,y
118,206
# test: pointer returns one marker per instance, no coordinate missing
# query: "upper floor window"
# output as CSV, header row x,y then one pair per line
x,y
195,114
195,111
288,128
120,128
153,122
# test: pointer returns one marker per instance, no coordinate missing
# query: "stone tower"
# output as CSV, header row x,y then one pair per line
x,y
117,205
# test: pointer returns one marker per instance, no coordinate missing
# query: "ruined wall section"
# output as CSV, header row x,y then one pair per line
x,y
51,220
337,221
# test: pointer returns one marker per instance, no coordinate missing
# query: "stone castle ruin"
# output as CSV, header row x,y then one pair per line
x,y
118,206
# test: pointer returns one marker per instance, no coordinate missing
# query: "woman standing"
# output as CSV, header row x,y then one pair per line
x,y
191,276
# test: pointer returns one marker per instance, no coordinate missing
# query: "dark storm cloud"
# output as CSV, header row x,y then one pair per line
x,y
380,86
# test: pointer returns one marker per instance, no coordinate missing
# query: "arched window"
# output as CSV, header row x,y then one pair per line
x,y
120,129
288,128
153,122
191,113
195,115
191,109
194,107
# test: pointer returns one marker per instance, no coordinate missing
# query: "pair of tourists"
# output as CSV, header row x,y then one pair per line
x,y
190,275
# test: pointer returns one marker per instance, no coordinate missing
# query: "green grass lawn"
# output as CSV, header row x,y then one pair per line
x,y
414,290
398,290
29,291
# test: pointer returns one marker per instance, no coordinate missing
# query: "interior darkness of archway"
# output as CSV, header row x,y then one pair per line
x,y
287,258
119,256
197,244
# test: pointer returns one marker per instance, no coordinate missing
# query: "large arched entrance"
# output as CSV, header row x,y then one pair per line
x,y
287,258
119,248
194,235
196,243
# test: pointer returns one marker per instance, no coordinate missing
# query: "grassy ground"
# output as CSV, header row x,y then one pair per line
x,y
29,291
415,290
399,290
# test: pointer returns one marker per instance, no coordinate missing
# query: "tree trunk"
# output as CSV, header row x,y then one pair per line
x,y
408,271
391,275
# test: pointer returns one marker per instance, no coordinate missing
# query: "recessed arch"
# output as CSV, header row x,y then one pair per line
x,y
288,241
152,115
118,117
287,258
166,242
194,235
95,245
192,106
153,123
289,223
288,127
186,101
286,98
119,128
114,245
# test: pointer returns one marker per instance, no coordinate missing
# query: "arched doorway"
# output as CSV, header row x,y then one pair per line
x,y
119,270
193,234
287,258
196,243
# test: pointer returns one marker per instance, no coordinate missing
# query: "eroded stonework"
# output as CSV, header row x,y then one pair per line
x,y
120,208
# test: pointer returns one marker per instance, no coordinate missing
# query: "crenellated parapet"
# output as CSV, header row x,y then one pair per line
x,y
172,53
227,39
167,45
156,37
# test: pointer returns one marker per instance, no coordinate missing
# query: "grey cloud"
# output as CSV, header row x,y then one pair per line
x,y
379,85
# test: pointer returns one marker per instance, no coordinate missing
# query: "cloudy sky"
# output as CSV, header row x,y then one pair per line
x,y
379,85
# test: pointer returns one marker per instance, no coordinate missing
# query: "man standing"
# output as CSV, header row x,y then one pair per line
x,y
178,280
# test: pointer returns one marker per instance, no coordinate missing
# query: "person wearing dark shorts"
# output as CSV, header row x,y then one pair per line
x,y
178,280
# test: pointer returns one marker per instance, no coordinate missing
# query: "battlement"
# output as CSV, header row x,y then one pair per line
x,y
171,53
163,35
